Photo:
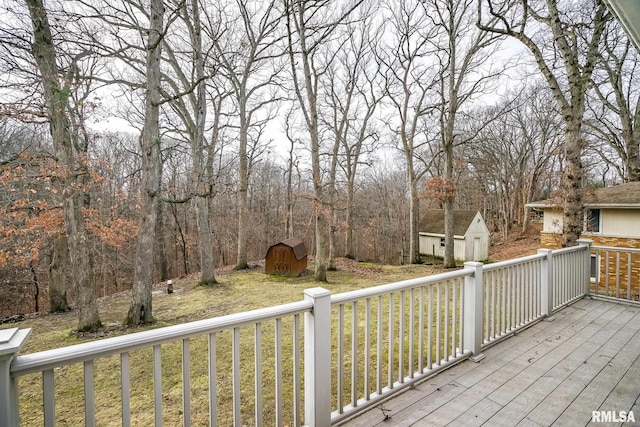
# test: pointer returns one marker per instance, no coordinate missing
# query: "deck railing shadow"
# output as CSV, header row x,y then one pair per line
x,y
316,362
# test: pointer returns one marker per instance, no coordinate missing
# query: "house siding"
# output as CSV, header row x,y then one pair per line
x,y
620,222
462,247
430,245
552,221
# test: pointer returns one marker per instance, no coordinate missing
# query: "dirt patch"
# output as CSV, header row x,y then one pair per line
x,y
517,244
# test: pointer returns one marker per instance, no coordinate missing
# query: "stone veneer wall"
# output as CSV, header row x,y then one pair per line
x,y
613,284
608,284
550,240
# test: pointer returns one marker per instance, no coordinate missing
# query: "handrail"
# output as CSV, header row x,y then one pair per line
x,y
569,249
615,249
49,359
512,262
351,296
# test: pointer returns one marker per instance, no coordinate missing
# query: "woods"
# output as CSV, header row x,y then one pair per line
x,y
142,141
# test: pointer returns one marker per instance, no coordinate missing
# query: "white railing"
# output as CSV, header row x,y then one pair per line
x,y
388,337
512,296
358,348
238,326
571,274
615,272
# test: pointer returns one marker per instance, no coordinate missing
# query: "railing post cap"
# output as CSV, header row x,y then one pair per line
x,y
473,264
587,242
12,340
318,292
544,251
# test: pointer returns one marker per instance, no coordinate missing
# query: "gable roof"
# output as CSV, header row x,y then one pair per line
x,y
433,221
619,196
296,244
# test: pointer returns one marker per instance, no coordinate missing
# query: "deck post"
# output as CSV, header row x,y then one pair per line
x,y
587,264
546,291
11,341
317,359
473,306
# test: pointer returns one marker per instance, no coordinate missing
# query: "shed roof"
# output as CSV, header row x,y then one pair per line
x,y
619,196
433,221
296,244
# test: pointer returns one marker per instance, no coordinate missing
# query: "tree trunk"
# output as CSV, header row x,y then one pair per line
x,y
633,156
81,262
289,223
320,272
414,223
58,264
140,310
320,206
36,284
449,243
333,229
243,189
332,207
572,184
56,98
349,247
205,239
161,260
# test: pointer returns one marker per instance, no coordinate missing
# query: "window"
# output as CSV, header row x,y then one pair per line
x,y
593,221
594,268
442,242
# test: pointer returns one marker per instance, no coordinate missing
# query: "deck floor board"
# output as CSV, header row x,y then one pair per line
x,y
553,373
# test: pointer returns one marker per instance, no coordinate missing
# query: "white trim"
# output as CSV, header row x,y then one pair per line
x,y
613,205
587,205
422,233
595,279
628,13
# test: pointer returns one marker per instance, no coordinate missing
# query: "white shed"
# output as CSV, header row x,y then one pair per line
x,y
471,235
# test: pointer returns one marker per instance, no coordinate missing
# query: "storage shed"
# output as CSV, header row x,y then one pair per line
x,y
286,258
471,235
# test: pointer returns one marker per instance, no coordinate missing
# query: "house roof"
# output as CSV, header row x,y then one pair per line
x,y
299,249
433,221
619,196
628,13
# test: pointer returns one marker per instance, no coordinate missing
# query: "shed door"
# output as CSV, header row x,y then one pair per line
x,y
282,257
477,249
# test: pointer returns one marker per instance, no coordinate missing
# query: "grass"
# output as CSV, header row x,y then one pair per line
x,y
238,291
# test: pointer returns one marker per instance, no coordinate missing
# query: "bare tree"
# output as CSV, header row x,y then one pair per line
x,y
352,96
558,33
187,96
309,27
57,99
293,164
515,156
409,80
140,310
248,58
464,74
615,107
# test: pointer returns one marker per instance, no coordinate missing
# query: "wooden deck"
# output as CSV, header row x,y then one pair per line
x,y
554,373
